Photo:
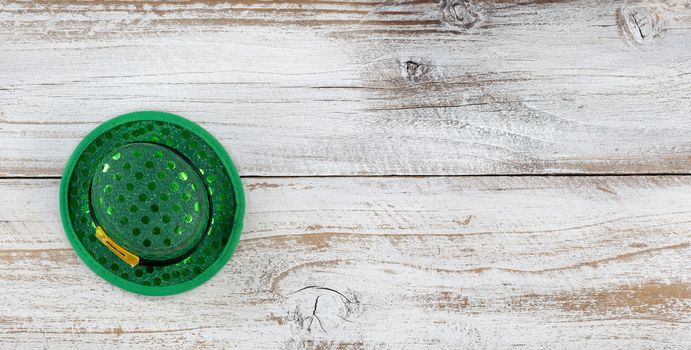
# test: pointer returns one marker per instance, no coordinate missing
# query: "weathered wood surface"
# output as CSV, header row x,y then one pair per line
x,y
370,87
380,263
359,87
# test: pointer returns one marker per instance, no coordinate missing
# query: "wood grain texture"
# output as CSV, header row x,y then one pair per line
x,y
371,87
383,263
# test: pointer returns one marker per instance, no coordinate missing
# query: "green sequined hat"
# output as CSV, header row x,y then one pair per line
x,y
152,203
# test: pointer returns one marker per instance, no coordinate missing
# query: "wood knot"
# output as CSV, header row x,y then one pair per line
x,y
317,309
639,25
414,70
461,13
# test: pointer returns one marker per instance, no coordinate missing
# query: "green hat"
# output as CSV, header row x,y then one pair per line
x,y
152,203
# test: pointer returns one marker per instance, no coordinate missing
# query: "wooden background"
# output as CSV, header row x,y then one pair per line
x,y
419,174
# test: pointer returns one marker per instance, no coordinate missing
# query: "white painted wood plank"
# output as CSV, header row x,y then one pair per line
x,y
365,87
480,262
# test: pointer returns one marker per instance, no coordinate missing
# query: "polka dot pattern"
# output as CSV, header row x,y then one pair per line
x,y
132,199
154,221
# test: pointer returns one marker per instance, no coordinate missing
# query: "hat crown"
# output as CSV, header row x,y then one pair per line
x,y
150,200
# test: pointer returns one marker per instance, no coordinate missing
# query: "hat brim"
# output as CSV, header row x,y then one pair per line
x,y
226,192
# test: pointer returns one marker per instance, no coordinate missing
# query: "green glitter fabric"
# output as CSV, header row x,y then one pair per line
x,y
160,186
